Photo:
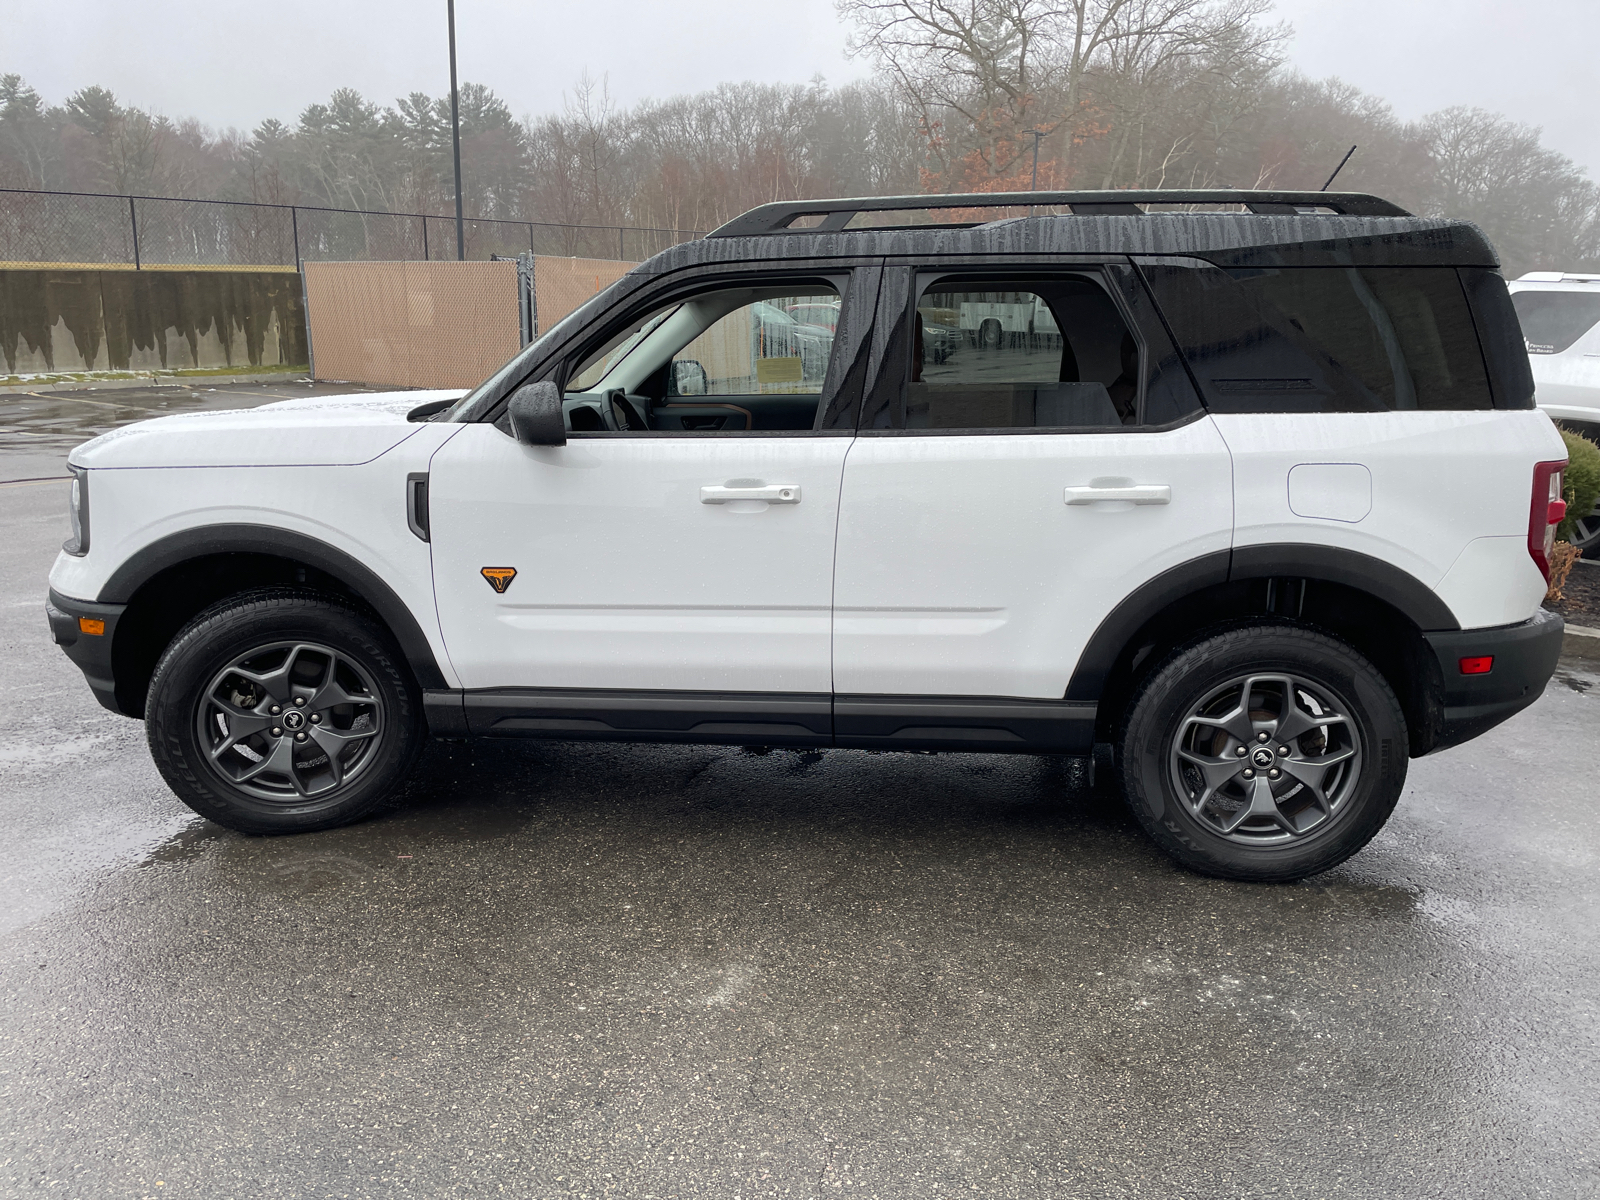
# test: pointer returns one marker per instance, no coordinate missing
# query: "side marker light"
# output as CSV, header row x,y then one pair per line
x,y
92,626
1481,665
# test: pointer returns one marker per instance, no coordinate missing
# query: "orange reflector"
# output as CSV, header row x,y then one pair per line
x,y
90,625
1481,665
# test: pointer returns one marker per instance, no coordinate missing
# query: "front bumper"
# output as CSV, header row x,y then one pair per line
x,y
1524,659
91,652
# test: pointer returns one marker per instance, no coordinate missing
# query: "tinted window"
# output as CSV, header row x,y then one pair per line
x,y
1013,355
1326,339
1552,321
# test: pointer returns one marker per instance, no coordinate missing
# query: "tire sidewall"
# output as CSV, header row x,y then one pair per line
x,y
1155,719
219,636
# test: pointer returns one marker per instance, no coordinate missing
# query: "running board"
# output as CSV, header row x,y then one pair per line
x,y
964,723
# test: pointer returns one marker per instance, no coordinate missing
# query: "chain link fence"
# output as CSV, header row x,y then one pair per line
x,y
80,229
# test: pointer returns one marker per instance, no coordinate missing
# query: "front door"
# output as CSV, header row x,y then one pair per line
x,y
1041,456
682,540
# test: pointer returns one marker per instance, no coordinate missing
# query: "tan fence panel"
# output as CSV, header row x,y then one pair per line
x,y
561,284
411,324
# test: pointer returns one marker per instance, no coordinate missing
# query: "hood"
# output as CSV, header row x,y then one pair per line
x,y
316,431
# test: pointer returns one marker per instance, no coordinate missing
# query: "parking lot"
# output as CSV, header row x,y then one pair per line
x,y
563,969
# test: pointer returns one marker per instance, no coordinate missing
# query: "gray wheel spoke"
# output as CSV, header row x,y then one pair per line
x,y
1236,724
240,726
277,681
335,741
280,761
1297,722
1217,771
333,745
331,692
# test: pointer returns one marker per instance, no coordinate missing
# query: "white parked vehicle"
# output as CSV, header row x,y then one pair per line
x,y
1270,514
1560,317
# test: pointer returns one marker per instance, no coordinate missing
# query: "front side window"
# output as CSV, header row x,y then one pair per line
x,y
993,354
730,360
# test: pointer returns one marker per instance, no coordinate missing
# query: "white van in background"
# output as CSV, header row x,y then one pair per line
x,y
1560,315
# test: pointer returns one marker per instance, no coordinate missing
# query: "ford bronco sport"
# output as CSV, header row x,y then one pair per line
x,y
1249,485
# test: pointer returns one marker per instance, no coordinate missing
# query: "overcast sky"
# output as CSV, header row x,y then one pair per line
x,y
235,64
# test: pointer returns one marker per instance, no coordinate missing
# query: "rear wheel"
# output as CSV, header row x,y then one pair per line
x,y
282,711
1267,753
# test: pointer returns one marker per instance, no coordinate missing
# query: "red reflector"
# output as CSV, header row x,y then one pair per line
x,y
1558,511
1481,665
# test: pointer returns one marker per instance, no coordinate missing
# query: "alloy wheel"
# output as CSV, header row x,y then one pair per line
x,y
1267,758
290,721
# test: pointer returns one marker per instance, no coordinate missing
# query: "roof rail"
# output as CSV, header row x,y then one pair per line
x,y
833,215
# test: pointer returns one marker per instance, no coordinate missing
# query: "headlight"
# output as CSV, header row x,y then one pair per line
x,y
78,513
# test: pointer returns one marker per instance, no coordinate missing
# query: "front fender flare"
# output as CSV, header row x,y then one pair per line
x,y
206,540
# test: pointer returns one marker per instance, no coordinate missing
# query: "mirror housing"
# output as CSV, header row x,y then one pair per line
x,y
535,412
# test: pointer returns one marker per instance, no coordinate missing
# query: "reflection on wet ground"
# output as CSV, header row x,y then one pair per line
x,y
38,429
578,969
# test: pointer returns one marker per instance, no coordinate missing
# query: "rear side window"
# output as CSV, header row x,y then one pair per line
x,y
1325,339
1552,321
1008,355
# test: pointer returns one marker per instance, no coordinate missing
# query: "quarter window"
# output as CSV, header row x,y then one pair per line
x,y
1325,339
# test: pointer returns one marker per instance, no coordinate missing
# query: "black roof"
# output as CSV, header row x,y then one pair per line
x,y
1277,228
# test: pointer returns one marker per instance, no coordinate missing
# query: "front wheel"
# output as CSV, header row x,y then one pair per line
x,y
1266,753
282,711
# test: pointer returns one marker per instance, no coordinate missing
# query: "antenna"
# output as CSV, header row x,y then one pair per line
x,y
1339,168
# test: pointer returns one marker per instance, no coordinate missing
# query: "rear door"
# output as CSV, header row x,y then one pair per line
x,y
1009,487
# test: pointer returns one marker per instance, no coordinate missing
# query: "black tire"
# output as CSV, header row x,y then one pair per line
x,y
1327,789
207,713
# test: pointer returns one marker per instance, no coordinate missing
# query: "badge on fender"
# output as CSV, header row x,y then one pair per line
x,y
499,577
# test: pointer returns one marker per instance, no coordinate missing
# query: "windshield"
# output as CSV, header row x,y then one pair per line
x,y
1552,321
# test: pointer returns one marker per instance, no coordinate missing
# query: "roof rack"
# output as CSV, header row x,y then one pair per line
x,y
833,215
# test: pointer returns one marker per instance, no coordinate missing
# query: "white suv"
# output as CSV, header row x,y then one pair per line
x,y
1255,492
1560,317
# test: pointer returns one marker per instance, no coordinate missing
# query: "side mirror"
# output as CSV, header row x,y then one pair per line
x,y
688,378
535,411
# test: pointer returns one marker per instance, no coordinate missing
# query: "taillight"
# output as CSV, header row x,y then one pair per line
x,y
1547,511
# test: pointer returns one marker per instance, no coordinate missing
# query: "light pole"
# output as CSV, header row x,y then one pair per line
x,y
1037,135
455,134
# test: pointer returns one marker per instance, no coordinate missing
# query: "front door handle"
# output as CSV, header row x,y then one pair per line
x,y
1137,493
772,493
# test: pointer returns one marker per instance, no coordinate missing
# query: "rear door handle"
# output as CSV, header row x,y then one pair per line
x,y
1138,493
772,493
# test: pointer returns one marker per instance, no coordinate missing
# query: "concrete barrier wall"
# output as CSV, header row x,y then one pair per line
x,y
161,320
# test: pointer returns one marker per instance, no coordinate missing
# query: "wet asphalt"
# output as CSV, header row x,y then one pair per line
x,y
562,969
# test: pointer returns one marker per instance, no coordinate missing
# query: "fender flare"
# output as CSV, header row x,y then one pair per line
x,y
1383,581
202,541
